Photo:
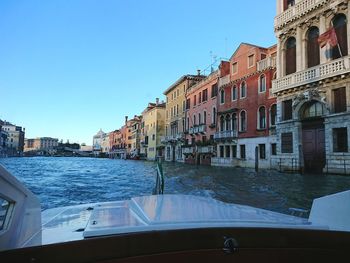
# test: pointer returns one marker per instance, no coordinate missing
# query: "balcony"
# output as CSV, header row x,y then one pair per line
x,y
298,10
180,136
166,139
202,128
224,80
266,63
225,135
320,72
205,149
188,150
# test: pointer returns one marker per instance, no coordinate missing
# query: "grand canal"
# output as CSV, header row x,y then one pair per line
x,y
68,181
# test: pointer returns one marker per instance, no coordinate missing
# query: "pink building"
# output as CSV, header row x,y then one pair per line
x,y
201,120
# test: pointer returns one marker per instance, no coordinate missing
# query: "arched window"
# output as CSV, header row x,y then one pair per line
x,y
313,48
273,115
214,116
262,83
222,96
205,117
222,123
312,110
290,58
339,24
199,119
234,93
262,118
234,122
194,119
243,121
227,122
287,4
243,89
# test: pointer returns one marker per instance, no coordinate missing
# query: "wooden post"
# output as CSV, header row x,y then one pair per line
x,y
256,158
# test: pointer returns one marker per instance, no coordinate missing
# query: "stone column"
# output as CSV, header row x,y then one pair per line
x,y
279,69
299,49
348,27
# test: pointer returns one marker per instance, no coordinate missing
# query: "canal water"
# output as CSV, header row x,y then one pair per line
x,y
69,181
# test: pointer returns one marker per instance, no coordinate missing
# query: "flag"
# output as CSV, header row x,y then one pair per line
x,y
328,37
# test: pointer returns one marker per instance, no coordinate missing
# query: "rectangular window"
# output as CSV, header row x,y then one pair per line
x,y
287,110
200,97
214,90
183,106
340,140
234,93
262,151
153,137
273,149
227,150
188,104
205,95
221,151
250,61
234,151
339,100
242,150
287,142
234,68
194,100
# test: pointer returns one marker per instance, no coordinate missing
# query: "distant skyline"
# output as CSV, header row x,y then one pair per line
x,y
71,67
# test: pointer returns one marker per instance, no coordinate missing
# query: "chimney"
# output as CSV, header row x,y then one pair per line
x,y
198,72
157,101
126,119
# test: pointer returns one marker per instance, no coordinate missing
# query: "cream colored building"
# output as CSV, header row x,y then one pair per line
x,y
175,116
105,145
41,144
152,129
313,86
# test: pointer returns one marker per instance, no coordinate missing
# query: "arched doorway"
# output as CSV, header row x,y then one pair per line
x,y
313,136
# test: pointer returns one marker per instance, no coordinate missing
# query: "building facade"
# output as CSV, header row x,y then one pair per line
x,y
96,143
200,122
313,85
175,117
134,133
246,109
152,130
105,143
46,144
13,139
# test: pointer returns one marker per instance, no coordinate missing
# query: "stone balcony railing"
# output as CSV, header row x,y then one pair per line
x,y
205,149
225,135
198,129
187,150
224,80
320,72
294,12
269,62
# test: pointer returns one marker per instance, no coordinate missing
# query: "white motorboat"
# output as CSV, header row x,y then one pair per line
x,y
166,227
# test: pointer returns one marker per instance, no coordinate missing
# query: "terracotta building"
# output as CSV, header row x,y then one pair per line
x,y
313,85
246,109
201,120
175,117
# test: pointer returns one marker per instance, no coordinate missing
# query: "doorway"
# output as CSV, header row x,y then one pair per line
x,y
314,146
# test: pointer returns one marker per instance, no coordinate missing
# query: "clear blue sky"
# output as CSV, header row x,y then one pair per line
x,y
71,67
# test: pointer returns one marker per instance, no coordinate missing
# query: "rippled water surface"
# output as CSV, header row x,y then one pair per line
x,y
69,181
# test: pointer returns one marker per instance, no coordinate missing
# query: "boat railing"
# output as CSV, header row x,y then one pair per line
x,y
159,187
299,212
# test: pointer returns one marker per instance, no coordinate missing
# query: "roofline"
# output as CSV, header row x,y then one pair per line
x,y
252,45
181,79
